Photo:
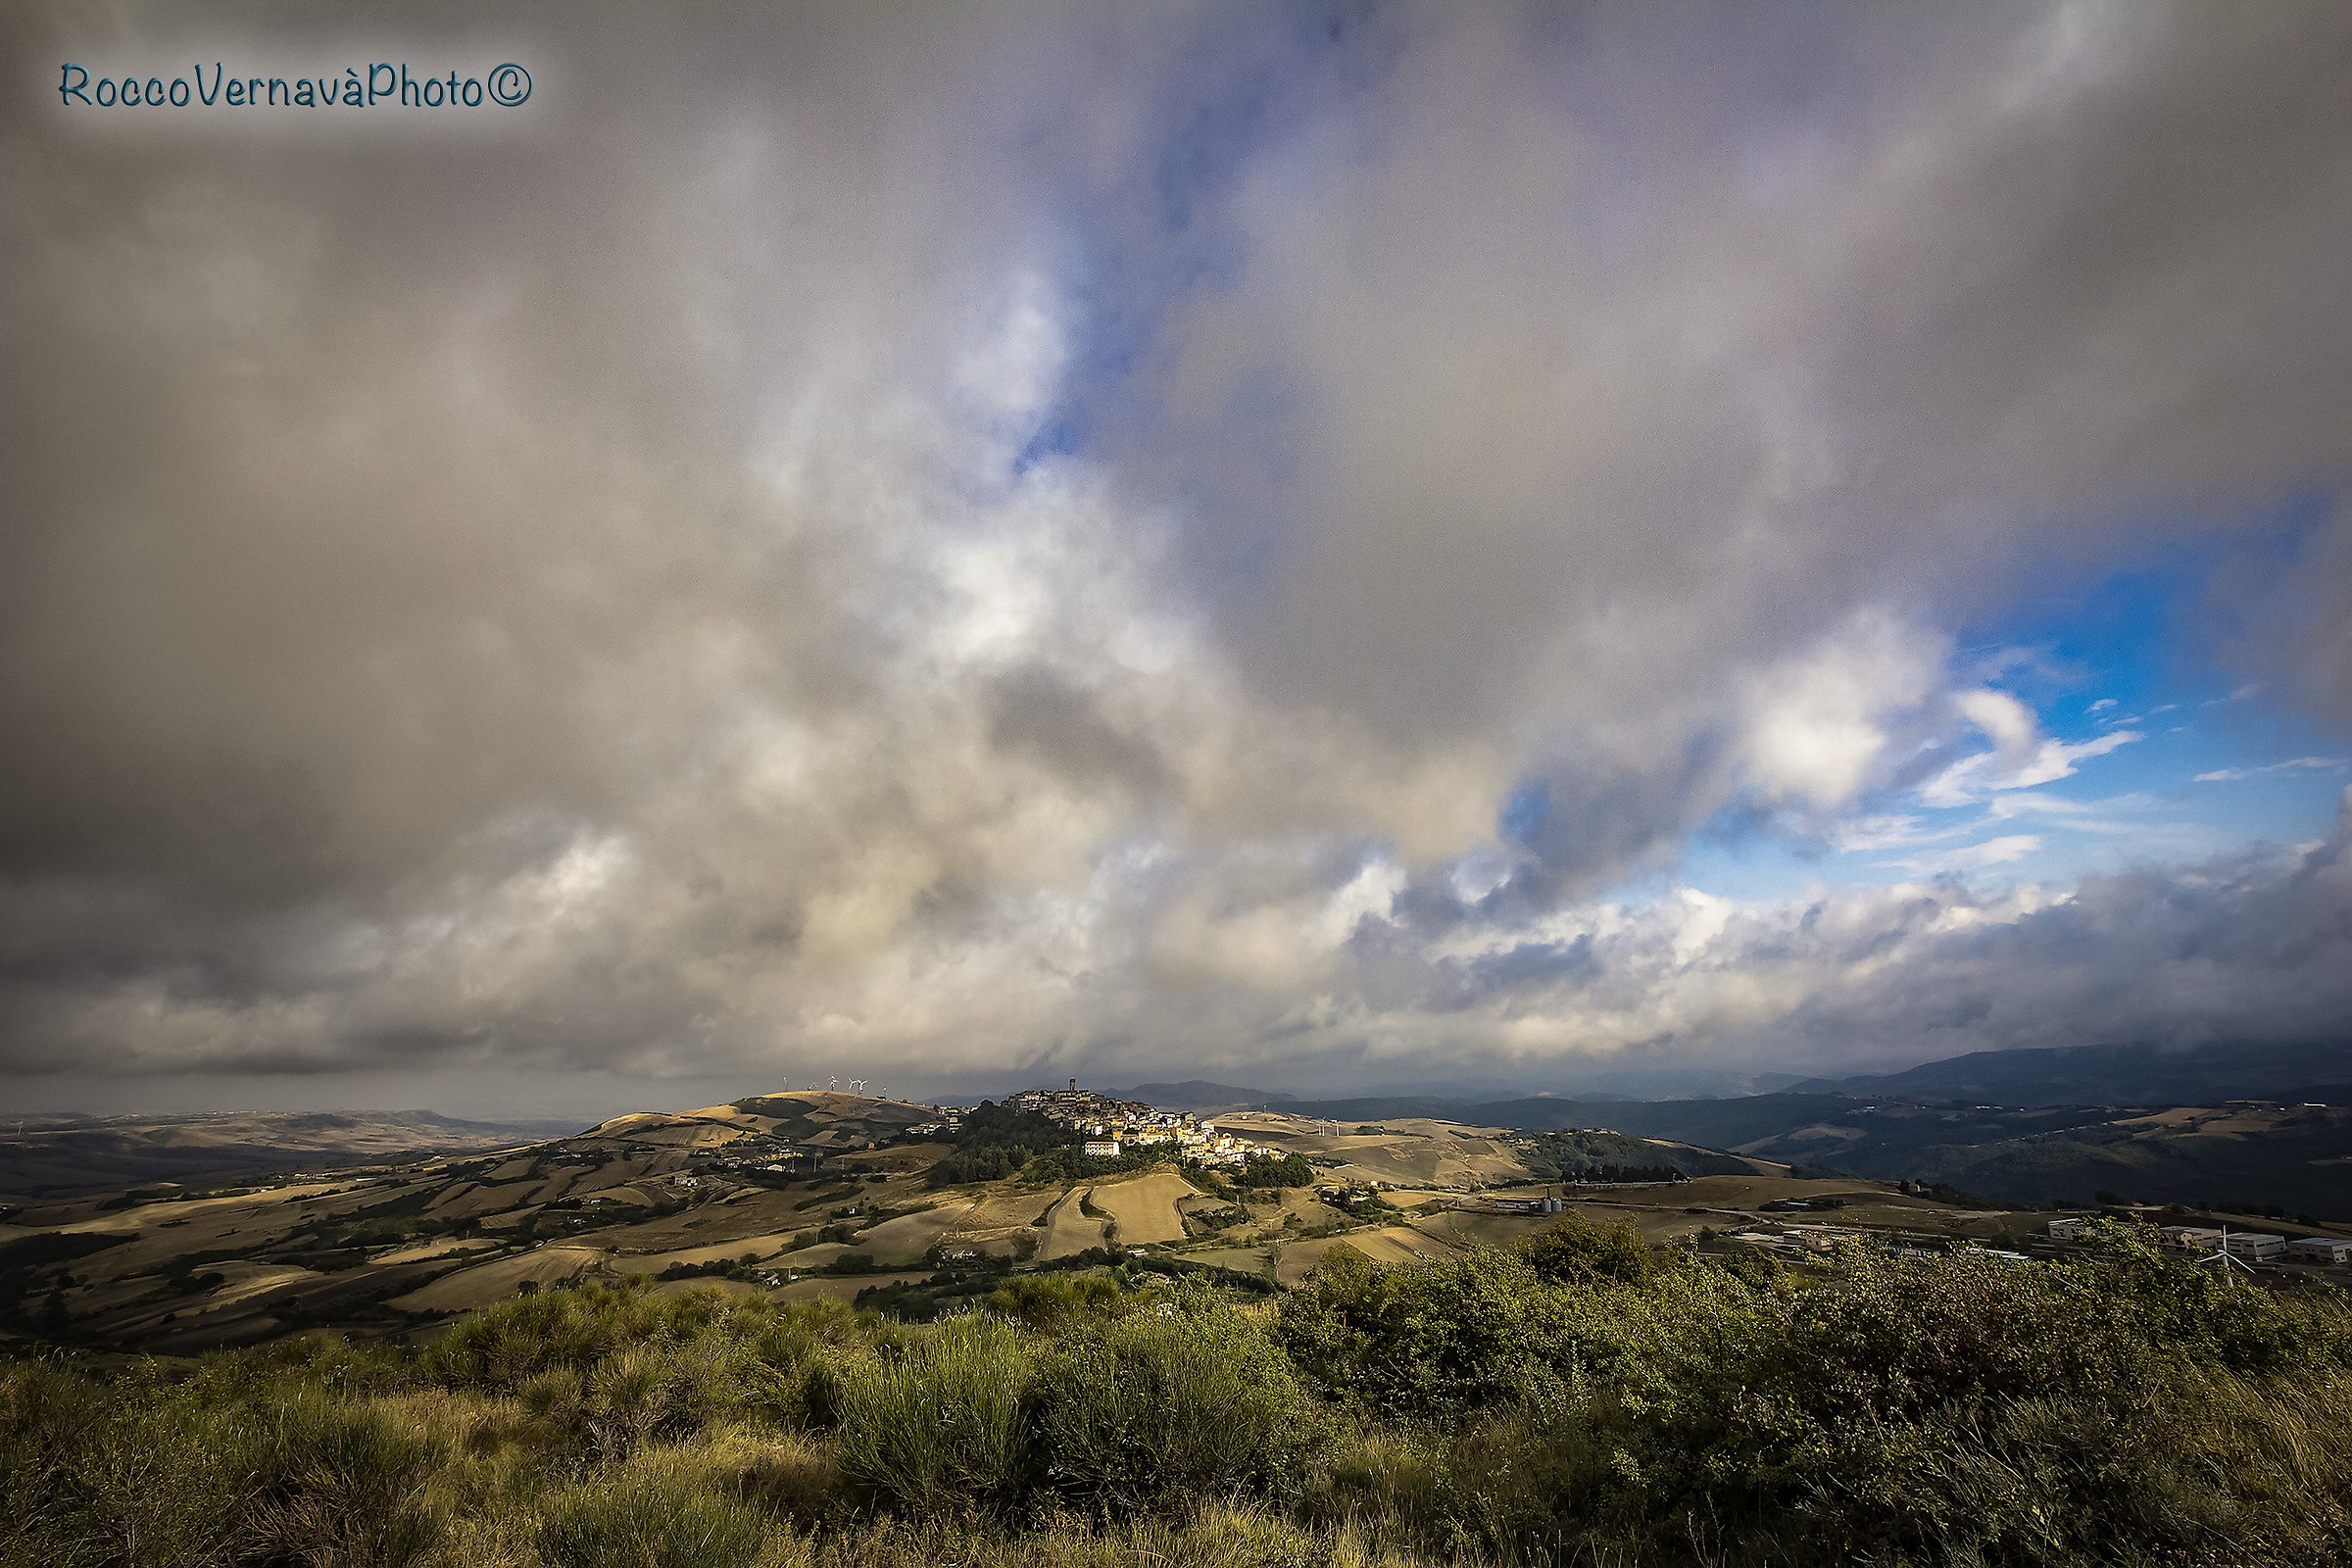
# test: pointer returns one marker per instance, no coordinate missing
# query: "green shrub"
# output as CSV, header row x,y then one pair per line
x,y
344,1484
1046,1301
1422,1342
133,1471
646,1392
650,1520
504,1346
1961,1409
938,1425
1186,1397
1575,1250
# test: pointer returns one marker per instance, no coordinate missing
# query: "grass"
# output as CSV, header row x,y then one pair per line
x,y
1576,1400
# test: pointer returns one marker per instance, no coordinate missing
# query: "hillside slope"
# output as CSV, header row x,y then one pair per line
x,y
84,1154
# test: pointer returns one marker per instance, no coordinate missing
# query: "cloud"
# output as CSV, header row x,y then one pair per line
x,y
959,541
1975,856
2084,816
1825,726
1884,832
2104,702
2056,760
2247,946
2221,775
2021,757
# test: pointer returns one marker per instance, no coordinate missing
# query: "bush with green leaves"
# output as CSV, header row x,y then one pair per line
x,y
1186,1396
1575,1250
1421,1341
936,1423
649,1520
1962,1409
499,1349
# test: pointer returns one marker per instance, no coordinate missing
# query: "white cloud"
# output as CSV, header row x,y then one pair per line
x,y
2083,816
1884,832
2056,760
1825,726
2003,807
2221,775
2021,757
1973,857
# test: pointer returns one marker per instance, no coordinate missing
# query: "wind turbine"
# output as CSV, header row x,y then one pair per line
x,y
2229,1260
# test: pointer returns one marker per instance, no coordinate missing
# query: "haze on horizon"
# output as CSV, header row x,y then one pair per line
x,y
1310,546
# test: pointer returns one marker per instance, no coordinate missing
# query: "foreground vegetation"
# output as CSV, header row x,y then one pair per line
x,y
1577,1399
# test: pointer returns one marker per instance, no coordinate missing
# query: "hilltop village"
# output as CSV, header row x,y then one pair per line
x,y
1115,1126
1110,1128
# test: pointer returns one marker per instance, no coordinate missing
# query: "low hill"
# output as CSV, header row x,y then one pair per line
x,y
2297,1157
61,1157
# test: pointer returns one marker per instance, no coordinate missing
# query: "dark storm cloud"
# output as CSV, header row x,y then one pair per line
x,y
1008,535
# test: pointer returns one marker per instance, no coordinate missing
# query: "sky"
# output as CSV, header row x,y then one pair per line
x,y
1327,547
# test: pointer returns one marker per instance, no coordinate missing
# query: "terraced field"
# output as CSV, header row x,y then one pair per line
x,y
1395,1243
760,1247
485,1283
1070,1230
1144,1208
907,1237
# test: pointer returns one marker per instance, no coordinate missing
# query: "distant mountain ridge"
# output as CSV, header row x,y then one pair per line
x,y
2110,1075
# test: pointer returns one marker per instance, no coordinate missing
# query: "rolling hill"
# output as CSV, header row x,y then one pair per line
x,y
63,1156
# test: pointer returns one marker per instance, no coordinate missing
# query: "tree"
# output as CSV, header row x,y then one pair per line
x,y
1577,1250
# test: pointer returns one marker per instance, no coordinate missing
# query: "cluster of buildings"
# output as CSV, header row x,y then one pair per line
x,y
1547,1204
1115,1126
2251,1246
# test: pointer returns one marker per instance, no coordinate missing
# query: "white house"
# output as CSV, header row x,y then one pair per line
x,y
2255,1246
1103,1149
2065,1230
2320,1249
